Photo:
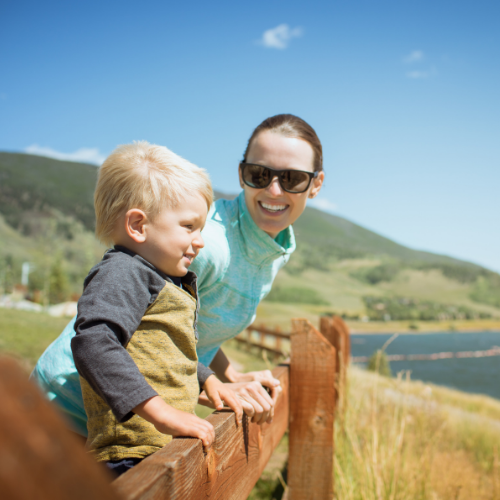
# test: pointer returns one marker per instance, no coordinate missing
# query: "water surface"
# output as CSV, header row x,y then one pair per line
x,y
475,375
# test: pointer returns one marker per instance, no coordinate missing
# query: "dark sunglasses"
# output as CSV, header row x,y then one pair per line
x,y
291,181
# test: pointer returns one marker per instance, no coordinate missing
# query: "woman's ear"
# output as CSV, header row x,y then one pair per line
x,y
135,225
241,179
317,183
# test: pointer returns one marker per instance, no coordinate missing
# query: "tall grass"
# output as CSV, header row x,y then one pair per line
x,y
398,441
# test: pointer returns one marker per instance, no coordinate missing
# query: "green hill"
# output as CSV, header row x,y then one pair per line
x,y
47,216
31,183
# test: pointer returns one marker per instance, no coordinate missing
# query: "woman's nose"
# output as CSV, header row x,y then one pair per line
x,y
274,188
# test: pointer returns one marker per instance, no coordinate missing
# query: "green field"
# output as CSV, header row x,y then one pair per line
x,y
399,439
25,335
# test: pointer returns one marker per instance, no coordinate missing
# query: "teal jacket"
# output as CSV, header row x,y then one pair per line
x,y
236,270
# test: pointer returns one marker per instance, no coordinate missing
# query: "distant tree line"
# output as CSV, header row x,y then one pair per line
x,y
60,252
403,308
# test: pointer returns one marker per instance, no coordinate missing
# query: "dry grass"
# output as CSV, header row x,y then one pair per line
x,y
399,440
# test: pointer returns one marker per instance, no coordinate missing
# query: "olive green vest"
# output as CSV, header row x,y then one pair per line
x,y
164,349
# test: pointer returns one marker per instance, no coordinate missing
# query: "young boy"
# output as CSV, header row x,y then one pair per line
x,y
135,343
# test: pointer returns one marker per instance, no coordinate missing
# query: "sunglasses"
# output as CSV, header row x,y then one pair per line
x,y
291,181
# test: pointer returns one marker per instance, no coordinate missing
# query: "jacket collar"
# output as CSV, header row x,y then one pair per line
x,y
256,244
189,279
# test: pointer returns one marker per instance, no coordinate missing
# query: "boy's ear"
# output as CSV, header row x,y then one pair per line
x,y
135,224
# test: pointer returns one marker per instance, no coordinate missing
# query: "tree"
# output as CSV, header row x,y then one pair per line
x,y
379,363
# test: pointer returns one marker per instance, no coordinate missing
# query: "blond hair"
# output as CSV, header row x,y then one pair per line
x,y
145,176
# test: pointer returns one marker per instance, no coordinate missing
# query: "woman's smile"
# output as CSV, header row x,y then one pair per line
x,y
273,208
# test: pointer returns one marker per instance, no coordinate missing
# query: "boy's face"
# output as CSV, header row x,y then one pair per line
x,y
174,238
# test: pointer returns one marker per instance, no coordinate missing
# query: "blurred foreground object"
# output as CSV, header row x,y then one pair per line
x,y
39,458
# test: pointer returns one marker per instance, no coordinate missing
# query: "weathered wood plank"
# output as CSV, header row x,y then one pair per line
x,y
250,343
268,331
335,330
182,471
343,329
332,334
39,458
312,409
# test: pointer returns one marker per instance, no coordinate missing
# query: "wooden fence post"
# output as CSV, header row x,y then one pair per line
x,y
39,458
312,409
328,331
340,325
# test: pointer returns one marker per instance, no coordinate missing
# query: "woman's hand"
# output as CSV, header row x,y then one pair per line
x,y
265,377
216,392
250,388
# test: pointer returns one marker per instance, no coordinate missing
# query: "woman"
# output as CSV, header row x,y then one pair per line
x,y
247,241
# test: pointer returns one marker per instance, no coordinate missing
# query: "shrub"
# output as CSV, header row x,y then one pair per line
x,y
379,363
377,274
296,296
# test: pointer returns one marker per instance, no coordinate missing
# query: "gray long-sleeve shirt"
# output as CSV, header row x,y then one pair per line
x,y
117,293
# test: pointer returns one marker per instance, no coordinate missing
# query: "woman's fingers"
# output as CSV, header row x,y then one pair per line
x,y
255,394
248,407
275,392
265,377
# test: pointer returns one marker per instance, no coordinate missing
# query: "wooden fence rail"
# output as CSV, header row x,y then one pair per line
x,y
40,459
276,334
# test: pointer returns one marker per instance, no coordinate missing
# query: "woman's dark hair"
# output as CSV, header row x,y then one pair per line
x,y
291,126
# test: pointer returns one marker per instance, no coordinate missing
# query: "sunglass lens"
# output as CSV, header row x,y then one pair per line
x,y
256,176
294,181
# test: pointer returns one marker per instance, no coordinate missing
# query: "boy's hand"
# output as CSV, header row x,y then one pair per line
x,y
169,420
217,392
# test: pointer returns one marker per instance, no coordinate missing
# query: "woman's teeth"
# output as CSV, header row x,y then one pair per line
x,y
273,208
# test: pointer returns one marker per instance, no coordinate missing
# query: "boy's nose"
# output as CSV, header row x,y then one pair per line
x,y
199,242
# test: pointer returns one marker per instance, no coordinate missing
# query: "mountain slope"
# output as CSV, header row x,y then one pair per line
x,y
48,206
38,184
326,230
35,183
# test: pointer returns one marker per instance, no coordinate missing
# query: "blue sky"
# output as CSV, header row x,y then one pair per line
x,y
404,96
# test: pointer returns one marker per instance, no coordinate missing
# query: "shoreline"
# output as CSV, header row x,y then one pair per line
x,y
422,327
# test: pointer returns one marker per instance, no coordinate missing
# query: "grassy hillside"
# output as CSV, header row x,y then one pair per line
x,y
399,439
46,213
36,185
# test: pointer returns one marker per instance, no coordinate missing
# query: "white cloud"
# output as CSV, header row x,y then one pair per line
x,y
413,57
84,155
323,204
279,37
417,74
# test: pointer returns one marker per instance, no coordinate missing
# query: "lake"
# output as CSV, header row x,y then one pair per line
x,y
475,375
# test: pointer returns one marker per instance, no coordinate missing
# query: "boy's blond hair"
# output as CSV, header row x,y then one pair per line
x,y
145,176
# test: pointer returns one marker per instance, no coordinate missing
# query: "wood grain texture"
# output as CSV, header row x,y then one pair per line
x,y
332,334
312,409
340,325
335,330
230,469
39,458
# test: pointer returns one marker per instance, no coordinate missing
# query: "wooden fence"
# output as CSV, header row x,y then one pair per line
x,y
277,350
40,459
